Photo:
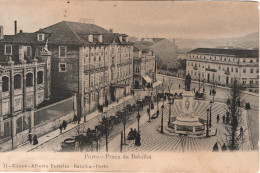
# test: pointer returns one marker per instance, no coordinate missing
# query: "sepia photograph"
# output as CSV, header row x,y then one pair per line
x,y
129,86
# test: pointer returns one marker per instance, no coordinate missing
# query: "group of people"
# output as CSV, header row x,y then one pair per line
x,y
33,139
134,135
63,125
225,119
223,147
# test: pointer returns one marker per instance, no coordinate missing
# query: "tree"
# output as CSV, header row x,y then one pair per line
x,y
236,98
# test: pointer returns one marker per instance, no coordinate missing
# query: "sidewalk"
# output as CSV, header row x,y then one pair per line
x,y
114,144
27,147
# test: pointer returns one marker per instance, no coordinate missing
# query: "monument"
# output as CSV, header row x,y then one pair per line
x,y
187,122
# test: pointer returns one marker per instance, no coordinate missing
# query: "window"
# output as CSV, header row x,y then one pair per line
x,y
62,51
62,67
251,61
8,50
40,37
244,70
39,77
29,80
17,81
219,67
257,71
5,85
231,69
236,70
251,70
28,51
244,60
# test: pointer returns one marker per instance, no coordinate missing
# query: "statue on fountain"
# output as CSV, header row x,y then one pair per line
x,y
187,82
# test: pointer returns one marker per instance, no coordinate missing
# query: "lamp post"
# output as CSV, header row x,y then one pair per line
x,y
207,131
162,119
121,144
210,114
138,120
171,101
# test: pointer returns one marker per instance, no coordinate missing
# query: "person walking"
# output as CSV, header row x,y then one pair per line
x,y
224,147
215,147
60,128
217,118
227,119
30,137
179,86
35,140
241,131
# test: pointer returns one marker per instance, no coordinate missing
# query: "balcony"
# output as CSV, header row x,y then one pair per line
x,y
212,70
227,72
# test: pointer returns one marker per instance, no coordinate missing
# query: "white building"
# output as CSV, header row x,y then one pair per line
x,y
223,66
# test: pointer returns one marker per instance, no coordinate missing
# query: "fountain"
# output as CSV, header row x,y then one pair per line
x,y
187,122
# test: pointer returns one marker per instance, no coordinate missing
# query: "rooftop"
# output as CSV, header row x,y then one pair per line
x,y
232,52
67,32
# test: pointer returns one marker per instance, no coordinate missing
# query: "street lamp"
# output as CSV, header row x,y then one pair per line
x,y
210,115
207,131
171,101
138,120
162,119
121,144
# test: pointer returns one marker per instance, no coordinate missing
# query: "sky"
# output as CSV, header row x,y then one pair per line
x,y
168,19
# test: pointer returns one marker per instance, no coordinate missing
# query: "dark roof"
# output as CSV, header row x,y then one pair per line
x,y
141,47
235,52
66,32
20,37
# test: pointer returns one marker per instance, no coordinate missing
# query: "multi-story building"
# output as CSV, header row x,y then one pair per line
x,y
223,66
24,82
89,61
145,67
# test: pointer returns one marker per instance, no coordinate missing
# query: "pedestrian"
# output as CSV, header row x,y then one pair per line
x,y
215,147
179,86
217,118
30,137
224,147
216,132
35,140
241,131
210,92
60,128
138,140
227,119
194,90
117,100
223,118
79,120
64,124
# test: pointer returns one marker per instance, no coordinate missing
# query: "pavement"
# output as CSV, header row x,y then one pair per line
x,y
153,140
27,147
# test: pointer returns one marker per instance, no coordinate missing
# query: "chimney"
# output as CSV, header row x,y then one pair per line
x,y
15,27
173,41
111,30
1,32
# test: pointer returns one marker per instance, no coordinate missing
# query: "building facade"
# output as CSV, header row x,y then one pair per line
x,y
145,67
24,83
89,61
223,66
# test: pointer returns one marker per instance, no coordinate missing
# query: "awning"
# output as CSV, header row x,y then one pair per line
x,y
147,79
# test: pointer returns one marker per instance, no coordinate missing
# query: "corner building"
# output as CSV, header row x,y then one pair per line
x,y
223,66
89,61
